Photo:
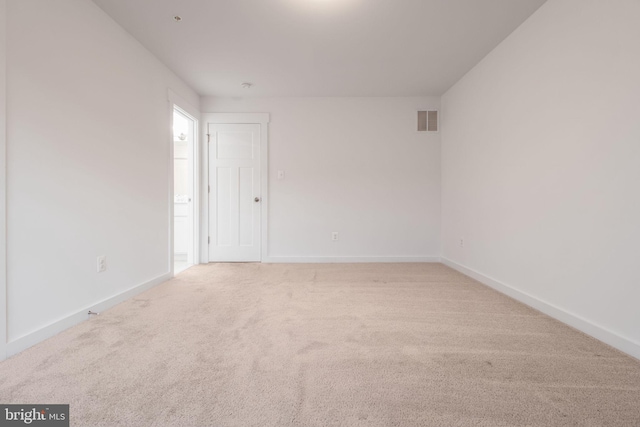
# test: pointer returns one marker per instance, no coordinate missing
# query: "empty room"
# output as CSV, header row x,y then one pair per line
x,y
319,212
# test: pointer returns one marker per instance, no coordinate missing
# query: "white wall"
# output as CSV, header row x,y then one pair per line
x,y
352,165
541,167
3,182
88,163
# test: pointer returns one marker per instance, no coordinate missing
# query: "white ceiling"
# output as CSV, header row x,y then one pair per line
x,y
320,47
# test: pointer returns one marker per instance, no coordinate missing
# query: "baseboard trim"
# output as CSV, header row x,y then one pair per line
x,y
331,260
603,334
33,338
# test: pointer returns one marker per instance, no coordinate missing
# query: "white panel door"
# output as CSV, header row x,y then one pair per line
x,y
234,199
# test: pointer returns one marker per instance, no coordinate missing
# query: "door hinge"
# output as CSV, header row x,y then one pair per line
x,y
208,189
208,138
209,240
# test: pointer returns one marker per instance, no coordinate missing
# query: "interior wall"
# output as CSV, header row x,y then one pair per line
x,y
540,166
352,165
88,162
3,181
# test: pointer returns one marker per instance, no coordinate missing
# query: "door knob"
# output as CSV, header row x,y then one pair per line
x,y
257,199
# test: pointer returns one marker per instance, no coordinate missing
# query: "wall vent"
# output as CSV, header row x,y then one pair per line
x,y
428,121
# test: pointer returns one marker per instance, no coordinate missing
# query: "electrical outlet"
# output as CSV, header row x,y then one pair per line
x,y
334,235
102,263
462,243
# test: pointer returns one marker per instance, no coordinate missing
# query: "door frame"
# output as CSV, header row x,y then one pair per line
x,y
261,119
179,103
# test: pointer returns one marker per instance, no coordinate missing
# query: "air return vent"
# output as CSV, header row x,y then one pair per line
x,y
428,121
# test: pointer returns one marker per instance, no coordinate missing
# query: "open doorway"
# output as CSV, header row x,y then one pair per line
x,y
184,135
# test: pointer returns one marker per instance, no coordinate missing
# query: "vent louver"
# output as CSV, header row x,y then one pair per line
x,y
428,121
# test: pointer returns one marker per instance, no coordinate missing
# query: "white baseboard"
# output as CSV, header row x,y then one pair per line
x,y
33,338
603,334
330,260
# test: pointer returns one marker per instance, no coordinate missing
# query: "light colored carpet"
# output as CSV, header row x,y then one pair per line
x,y
326,345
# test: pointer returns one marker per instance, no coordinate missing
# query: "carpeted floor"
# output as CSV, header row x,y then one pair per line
x,y
326,345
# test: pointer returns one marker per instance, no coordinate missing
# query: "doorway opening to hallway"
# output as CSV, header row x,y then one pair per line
x,y
184,143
